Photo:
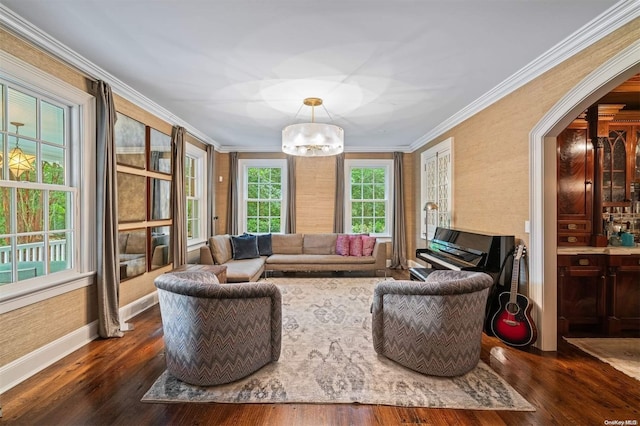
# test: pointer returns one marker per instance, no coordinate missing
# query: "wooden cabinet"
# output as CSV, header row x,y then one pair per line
x,y
598,293
575,181
623,294
581,292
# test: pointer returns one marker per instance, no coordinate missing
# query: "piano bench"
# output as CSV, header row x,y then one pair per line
x,y
420,274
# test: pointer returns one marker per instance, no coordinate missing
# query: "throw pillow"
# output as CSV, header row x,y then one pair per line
x,y
221,248
265,248
342,245
245,247
367,245
355,245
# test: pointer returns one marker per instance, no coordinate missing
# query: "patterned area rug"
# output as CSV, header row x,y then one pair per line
x,y
622,354
328,357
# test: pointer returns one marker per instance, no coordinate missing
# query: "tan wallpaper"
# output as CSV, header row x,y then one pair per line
x,y
491,149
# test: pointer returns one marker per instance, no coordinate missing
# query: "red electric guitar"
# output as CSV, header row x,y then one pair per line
x,y
512,322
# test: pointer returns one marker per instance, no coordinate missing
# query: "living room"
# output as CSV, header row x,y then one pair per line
x,y
501,182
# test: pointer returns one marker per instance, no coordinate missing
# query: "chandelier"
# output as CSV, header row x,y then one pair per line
x,y
19,162
312,139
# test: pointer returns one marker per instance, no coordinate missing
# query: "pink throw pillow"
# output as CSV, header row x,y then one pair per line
x,y
355,245
367,245
342,245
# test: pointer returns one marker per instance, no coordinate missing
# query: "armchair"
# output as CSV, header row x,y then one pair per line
x,y
217,333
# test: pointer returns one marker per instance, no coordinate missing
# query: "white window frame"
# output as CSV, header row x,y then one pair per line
x,y
440,157
243,166
200,172
389,196
81,165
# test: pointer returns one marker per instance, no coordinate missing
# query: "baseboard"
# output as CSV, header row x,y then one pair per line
x,y
22,368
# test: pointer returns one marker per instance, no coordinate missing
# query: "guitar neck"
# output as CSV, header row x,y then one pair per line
x,y
513,295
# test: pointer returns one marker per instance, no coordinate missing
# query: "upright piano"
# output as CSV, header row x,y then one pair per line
x,y
460,250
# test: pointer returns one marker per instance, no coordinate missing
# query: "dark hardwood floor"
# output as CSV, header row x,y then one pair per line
x,y
103,382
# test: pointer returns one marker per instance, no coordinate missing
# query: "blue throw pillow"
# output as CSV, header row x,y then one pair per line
x,y
265,247
245,247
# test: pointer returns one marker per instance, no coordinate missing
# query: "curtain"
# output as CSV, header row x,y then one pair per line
x,y
291,195
232,205
178,199
338,213
108,251
211,192
398,237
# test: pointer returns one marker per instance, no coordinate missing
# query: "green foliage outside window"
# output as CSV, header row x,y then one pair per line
x,y
368,199
264,199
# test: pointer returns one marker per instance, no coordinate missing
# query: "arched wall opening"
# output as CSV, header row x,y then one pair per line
x,y
543,184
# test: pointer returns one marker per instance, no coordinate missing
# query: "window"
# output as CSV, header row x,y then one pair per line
x,y
195,174
368,196
144,196
263,205
437,186
46,127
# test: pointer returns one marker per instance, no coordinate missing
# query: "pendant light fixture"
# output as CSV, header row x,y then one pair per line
x,y
313,139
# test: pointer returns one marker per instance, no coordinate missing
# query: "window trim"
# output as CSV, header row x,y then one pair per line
x,y
81,109
200,157
387,164
243,165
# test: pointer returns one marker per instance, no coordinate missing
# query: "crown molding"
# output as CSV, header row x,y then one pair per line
x,y
232,148
26,30
615,17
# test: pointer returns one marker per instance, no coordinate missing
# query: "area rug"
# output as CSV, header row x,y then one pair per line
x,y
622,354
328,357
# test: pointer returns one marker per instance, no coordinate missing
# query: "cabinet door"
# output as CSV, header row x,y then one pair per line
x,y
575,178
619,164
581,293
624,293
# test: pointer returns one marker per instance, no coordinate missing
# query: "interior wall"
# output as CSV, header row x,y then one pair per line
x,y
491,150
34,326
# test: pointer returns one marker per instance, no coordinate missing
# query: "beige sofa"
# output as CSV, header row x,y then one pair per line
x,y
291,252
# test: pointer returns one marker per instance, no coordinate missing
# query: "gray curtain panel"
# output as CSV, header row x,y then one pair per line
x,y
398,239
291,195
338,217
211,191
232,205
178,199
108,267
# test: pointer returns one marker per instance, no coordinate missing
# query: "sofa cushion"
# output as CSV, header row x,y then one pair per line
x,y
244,270
355,245
265,246
245,247
221,248
368,243
319,244
317,259
342,245
287,243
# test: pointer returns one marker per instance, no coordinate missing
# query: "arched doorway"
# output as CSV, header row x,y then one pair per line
x,y
542,183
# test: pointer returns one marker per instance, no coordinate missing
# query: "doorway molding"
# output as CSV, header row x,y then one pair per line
x,y
543,189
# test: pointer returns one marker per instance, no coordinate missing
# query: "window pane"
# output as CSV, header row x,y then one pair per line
x,y
60,251
378,191
22,160
29,210
160,239
356,209
129,136
160,199
356,192
356,175
2,89
53,165
132,199
5,205
22,113
252,208
2,157
133,249
275,225
52,129
59,210
252,191
367,192
160,160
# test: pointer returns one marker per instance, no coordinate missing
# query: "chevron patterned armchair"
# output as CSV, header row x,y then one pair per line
x,y
218,333
433,327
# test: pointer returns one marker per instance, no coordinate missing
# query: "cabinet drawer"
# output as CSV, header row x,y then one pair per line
x,y
571,226
633,260
565,239
589,261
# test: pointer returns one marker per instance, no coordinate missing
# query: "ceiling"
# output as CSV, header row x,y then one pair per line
x,y
236,72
